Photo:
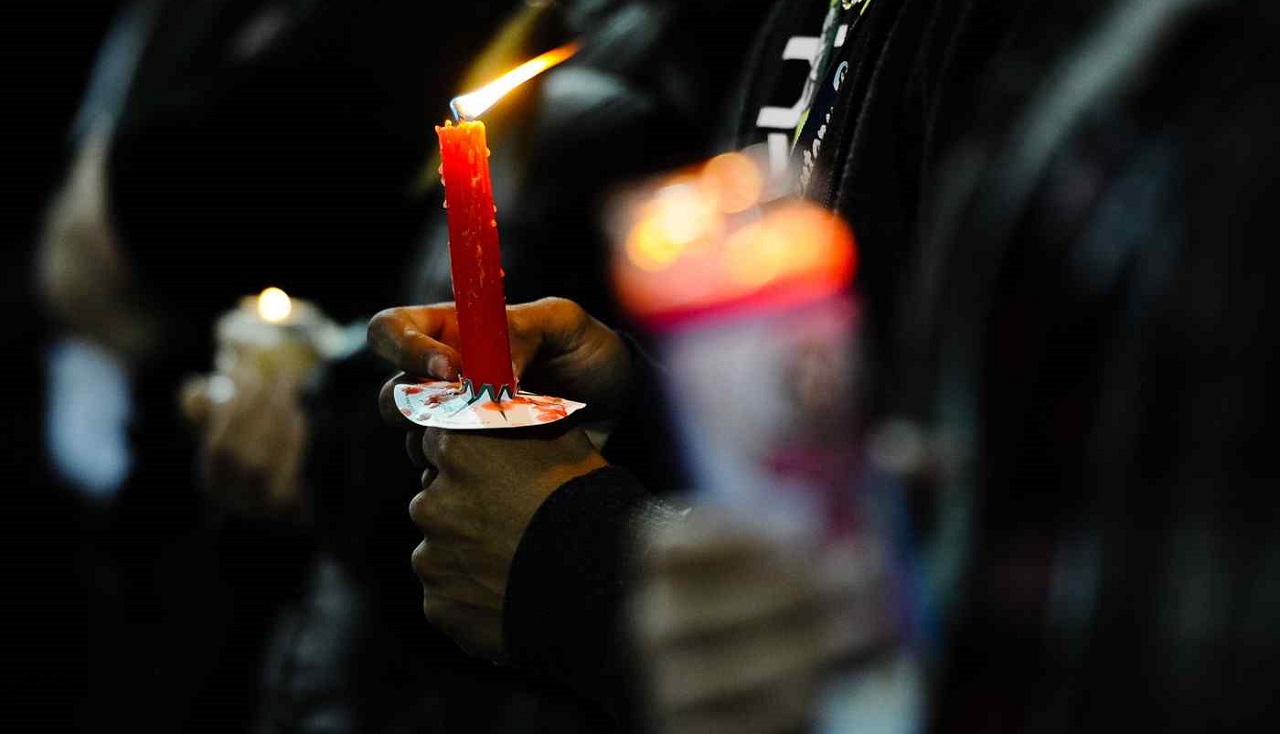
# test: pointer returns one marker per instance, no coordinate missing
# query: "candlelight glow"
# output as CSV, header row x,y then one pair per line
x,y
794,252
757,254
679,216
649,248
735,180
683,213
274,305
472,105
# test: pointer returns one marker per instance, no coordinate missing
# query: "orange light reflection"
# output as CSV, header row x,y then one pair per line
x,y
700,241
735,180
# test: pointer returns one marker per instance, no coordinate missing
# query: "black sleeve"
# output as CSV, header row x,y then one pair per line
x,y
643,439
570,575
572,570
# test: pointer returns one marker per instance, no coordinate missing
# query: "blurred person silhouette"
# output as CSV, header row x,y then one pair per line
x,y
57,581
1083,385
288,475
1098,545
1083,311
220,146
1105,348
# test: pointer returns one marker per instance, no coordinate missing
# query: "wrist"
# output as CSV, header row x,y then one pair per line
x,y
561,474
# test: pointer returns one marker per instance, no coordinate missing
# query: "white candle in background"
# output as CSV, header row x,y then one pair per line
x,y
275,335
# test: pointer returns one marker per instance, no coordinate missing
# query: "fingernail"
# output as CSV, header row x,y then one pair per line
x,y
439,367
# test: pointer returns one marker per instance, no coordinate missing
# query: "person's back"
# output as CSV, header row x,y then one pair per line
x,y
245,144
1110,332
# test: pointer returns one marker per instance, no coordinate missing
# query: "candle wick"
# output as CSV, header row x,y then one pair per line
x,y
457,114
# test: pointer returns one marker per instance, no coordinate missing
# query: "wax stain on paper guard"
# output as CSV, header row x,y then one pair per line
x,y
450,405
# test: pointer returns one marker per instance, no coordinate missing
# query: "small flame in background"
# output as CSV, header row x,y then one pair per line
x,y
473,104
709,237
274,305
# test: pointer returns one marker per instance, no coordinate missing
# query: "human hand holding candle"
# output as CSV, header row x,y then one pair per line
x,y
253,444
253,427
738,630
555,346
272,334
485,486
480,491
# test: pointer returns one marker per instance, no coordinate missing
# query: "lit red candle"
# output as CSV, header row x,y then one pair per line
x,y
475,260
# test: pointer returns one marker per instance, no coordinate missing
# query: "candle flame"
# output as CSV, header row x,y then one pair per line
x,y
274,305
473,104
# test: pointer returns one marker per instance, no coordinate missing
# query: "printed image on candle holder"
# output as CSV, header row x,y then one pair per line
x,y
748,294
815,451
766,410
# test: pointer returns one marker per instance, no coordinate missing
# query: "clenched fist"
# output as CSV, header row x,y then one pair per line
x,y
480,489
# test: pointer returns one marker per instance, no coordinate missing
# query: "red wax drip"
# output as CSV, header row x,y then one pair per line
x,y
475,259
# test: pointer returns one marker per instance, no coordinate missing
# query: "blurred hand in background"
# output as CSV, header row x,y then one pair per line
x,y
254,434
737,631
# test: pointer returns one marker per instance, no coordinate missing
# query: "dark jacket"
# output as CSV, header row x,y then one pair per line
x,y
1099,308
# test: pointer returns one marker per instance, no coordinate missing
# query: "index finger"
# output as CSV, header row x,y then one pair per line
x,y
417,339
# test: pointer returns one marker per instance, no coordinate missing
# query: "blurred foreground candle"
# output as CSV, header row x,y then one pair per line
x,y
751,301
751,304
475,258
